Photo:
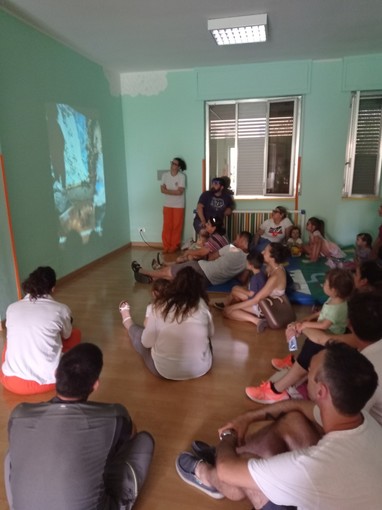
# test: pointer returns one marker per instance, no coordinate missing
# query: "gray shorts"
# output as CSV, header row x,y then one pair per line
x,y
195,266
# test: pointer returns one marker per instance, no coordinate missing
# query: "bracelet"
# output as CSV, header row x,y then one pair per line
x,y
228,432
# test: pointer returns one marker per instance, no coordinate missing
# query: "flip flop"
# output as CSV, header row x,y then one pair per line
x,y
155,265
135,266
142,278
124,306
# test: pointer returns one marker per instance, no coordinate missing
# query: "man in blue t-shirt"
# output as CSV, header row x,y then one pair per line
x,y
216,202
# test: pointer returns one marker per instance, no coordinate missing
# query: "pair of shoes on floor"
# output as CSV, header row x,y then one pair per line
x,y
140,277
281,363
264,394
219,305
186,464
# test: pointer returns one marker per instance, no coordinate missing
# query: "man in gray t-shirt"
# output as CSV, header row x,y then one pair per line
x,y
228,262
72,454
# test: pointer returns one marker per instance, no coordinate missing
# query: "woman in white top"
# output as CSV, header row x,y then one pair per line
x,y
38,330
175,343
274,230
172,186
274,256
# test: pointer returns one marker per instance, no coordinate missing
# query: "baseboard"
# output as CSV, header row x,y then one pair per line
x,y
94,263
157,246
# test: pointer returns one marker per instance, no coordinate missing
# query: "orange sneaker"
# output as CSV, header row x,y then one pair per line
x,y
264,394
281,363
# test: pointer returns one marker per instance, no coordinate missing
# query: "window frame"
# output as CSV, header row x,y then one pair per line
x,y
349,170
295,151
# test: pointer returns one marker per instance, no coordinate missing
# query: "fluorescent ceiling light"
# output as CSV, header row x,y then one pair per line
x,y
239,30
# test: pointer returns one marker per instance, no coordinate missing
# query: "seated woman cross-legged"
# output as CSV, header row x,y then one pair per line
x,y
274,256
175,342
39,329
274,230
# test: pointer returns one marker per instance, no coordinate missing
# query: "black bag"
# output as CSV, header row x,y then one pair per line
x,y
277,311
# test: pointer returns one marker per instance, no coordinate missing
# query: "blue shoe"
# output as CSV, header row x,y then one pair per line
x,y
185,465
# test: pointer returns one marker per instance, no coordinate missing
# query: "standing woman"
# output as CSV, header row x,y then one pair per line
x,y
173,186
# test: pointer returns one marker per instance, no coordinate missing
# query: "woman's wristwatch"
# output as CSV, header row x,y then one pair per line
x,y
228,432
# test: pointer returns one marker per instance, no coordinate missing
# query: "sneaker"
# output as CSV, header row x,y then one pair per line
x,y
264,394
219,306
185,466
281,363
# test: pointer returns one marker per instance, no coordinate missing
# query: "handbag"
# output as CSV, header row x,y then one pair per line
x,y
277,311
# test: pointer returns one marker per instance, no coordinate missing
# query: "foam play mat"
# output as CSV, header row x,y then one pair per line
x,y
308,278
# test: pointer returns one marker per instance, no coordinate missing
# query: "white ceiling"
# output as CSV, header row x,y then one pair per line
x,y
148,35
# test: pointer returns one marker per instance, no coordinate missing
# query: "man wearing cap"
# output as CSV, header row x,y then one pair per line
x,y
216,202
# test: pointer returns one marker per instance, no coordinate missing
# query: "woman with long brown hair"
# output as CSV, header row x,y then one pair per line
x,y
175,343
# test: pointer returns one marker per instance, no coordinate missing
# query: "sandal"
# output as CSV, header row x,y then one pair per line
x,y
155,265
124,307
135,266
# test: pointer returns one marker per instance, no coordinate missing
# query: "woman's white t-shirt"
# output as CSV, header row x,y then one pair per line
x,y
35,329
275,233
180,350
174,182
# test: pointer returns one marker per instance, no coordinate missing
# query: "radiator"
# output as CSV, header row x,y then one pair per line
x,y
251,221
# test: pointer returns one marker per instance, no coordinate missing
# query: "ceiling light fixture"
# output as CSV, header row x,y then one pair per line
x,y
239,30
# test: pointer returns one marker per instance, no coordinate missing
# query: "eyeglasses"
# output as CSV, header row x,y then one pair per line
x,y
174,163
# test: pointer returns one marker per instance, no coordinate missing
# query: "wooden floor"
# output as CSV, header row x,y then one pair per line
x,y
174,412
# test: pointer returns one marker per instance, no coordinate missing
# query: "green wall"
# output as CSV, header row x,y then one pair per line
x,y
142,133
36,70
172,122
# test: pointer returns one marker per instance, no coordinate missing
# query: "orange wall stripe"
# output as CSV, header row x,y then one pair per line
x,y
11,236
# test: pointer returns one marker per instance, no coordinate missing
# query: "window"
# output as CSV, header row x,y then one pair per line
x,y
255,143
363,154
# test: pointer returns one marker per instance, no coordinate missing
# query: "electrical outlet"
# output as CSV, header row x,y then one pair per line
x,y
141,230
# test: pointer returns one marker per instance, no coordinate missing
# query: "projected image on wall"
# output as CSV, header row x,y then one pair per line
x,y
77,172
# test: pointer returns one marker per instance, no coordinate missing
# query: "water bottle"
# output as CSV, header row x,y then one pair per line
x,y
292,344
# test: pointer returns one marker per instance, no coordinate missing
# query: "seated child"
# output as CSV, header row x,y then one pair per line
x,y
319,246
294,242
338,286
256,282
363,248
363,251
200,242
